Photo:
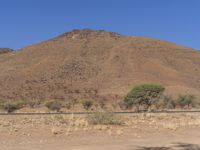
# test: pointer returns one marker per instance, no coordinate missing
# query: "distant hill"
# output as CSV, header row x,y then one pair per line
x,y
98,65
5,50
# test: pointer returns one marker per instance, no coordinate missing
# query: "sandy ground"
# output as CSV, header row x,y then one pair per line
x,y
140,133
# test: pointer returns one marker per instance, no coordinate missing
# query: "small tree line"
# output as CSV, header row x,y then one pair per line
x,y
145,96
152,95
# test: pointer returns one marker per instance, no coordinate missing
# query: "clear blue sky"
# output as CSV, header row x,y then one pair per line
x,y
24,22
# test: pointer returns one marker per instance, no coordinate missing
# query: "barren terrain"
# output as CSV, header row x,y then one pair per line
x,y
139,132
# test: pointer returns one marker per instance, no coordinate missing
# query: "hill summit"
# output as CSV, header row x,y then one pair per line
x,y
88,33
97,65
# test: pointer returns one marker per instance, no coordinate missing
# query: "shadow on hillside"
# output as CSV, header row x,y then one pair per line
x,y
180,146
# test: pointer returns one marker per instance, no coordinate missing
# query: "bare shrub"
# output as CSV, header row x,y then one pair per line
x,y
53,105
96,105
123,105
166,102
68,105
102,104
33,103
87,104
73,102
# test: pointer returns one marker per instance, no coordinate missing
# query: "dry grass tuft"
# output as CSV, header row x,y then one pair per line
x,y
104,118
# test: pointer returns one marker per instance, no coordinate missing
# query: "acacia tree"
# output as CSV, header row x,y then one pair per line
x,y
146,94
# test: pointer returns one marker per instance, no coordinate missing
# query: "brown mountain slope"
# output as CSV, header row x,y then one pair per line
x,y
97,64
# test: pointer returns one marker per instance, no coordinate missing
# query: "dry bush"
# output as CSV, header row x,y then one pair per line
x,y
166,102
96,105
73,102
104,118
68,105
102,104
33,103
87,104
53,105
125,106
187,101
11,106
1,103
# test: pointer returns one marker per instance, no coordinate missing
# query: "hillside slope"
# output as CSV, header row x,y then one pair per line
x,y
87,64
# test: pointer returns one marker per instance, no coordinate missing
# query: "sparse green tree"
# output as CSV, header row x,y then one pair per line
x,y
146,94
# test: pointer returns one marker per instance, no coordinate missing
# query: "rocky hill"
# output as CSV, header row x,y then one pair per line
x,y
88,64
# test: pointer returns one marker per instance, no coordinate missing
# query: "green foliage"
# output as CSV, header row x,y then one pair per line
x,y
146,94
87,104
53,105
104,118
186,100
